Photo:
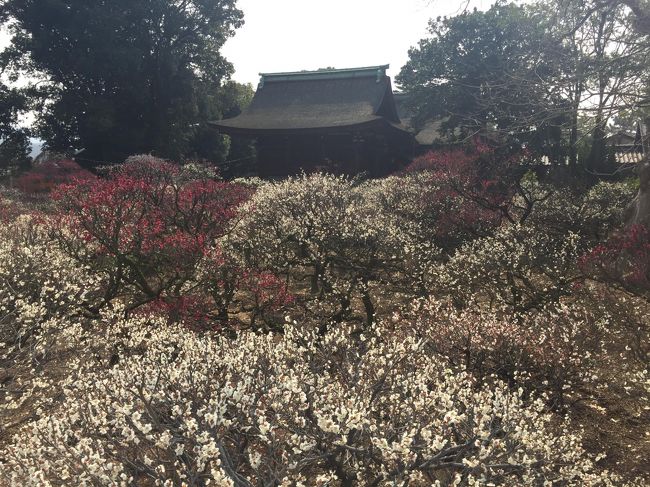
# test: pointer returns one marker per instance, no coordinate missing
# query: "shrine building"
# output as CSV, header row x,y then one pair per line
x,y
338,120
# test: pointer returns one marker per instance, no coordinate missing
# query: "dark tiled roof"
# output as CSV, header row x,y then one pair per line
x,y
621,138
311,100
429,133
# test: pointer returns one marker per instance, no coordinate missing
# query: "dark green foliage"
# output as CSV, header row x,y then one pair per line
x,y
231,154
480,71
14,141
124,76
548,75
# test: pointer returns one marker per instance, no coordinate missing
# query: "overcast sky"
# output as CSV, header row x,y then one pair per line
x,y
292,35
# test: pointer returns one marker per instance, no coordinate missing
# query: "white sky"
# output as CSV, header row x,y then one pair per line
x,y
292,35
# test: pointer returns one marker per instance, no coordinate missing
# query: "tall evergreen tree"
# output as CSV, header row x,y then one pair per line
x,y
14,140
118,77
550,74
486,72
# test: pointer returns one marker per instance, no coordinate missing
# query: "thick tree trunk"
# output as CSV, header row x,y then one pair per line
x,y
597,160
639,211
369,307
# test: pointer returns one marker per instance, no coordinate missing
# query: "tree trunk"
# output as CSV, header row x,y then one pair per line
x,y
638,212
369,306
573,137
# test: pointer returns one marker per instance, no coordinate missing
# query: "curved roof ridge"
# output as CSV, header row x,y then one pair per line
x,y
317,100
384,67
330,73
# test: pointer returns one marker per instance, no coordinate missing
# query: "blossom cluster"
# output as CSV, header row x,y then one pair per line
x,y
147,228
44,300
378,408
554,350
519,265
430,328
327,229
45,177
39,284
623,258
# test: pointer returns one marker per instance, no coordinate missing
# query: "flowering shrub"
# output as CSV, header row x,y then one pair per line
x,y
146,227
38,285
45,177
628,323
554,350
289,223
191,309
623,258
268,293
592,215
472,191
180,408
469,200
260,294
533,262
146,166
404,199
10,207
44,297
323,225
521,266
604,208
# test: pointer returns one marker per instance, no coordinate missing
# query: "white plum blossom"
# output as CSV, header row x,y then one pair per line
x,y
183,408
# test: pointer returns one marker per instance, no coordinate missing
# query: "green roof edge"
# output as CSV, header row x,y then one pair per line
x,y
325,74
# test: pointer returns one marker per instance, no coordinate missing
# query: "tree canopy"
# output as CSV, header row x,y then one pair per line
x,y
14,140
548,75
123,77
478,70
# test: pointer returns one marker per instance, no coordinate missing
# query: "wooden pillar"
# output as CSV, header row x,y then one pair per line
x,y
288,164
321,151
358,143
